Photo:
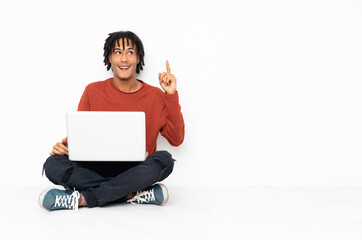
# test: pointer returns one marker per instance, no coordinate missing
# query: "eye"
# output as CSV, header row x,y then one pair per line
x,y
130,52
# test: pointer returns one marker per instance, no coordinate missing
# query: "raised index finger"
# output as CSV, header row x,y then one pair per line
x,y
168,67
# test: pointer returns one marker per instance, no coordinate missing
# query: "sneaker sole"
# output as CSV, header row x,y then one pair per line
x,y
41,197
165,193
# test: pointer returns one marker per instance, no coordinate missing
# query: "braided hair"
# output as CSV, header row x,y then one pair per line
x,y
129,36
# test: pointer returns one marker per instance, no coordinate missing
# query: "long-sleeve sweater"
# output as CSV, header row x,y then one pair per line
x,y
163,111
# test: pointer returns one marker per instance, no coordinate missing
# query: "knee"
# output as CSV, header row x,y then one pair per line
x,y
56,166
49,163
164,159
53,162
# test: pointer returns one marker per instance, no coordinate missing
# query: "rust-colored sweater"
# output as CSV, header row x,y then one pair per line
x,y
163,111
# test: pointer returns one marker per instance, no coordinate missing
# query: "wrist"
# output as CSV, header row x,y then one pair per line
x,y
171,92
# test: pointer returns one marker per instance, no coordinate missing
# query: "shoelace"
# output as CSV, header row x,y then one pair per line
x,y
68,201
143,197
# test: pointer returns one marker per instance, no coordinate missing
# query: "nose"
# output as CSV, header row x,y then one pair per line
x,y
124,57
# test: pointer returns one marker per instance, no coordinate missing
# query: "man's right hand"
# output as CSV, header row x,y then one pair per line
x,y
60,148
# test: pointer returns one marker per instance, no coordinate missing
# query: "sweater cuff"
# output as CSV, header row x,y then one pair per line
x,y
172,98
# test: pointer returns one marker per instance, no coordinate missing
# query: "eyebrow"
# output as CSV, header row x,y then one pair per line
x,y
129,48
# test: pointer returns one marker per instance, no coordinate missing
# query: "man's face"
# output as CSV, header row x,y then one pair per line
x,y
124,61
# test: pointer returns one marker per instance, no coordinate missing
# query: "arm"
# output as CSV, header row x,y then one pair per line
x,y
174,129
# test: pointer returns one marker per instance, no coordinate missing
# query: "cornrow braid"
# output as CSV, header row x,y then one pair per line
x,y
129,36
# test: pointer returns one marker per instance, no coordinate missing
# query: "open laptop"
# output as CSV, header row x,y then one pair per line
x,y
106,136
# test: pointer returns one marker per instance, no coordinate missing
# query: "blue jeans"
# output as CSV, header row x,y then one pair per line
x,y
107,182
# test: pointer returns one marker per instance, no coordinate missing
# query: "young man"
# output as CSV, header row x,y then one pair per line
x,y
96,184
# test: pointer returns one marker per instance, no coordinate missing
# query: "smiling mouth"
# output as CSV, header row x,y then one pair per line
x,y
124,68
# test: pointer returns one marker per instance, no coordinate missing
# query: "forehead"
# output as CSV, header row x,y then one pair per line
x,y
124,43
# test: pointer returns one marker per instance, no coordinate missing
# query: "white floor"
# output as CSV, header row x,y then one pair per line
x,y
191,213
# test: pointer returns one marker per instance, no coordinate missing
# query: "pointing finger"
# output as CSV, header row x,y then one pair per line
x,y
168,67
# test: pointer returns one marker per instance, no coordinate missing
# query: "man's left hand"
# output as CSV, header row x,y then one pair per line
x,y
167,80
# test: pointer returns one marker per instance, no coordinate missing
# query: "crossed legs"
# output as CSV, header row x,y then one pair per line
x,y
100,184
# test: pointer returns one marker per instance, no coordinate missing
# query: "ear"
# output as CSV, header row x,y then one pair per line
x,y
109,59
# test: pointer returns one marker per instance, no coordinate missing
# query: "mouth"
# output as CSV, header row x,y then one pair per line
x,y
124,68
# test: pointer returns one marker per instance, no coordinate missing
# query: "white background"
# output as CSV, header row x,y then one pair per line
x,y
270,90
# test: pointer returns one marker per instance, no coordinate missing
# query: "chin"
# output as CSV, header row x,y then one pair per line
x,y
124,79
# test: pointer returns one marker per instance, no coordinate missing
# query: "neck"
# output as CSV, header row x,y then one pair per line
x,y
129,86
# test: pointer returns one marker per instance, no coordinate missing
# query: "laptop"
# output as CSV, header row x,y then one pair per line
x,y
106,136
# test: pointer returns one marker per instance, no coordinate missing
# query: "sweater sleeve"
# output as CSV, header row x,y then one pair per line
x,y
84,103
174,128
